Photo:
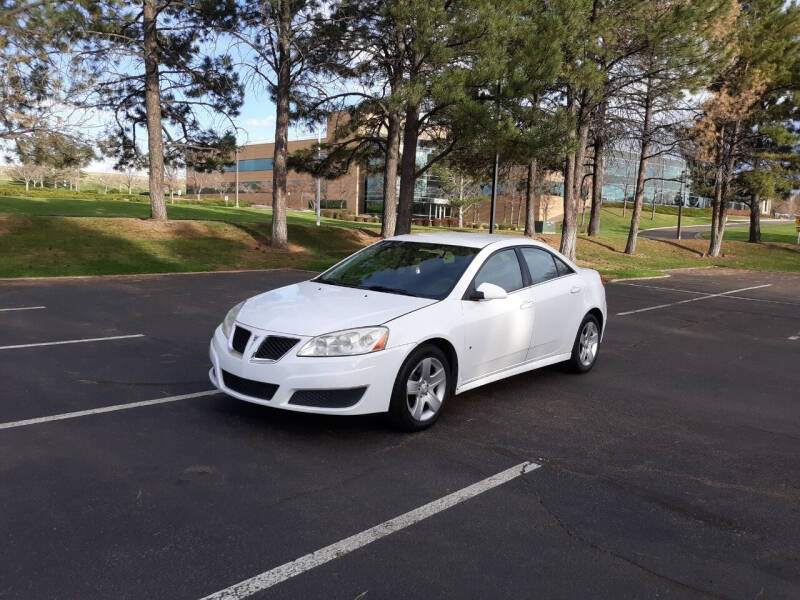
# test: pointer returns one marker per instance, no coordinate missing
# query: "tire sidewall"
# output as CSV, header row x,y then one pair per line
x,y
399,415
575,360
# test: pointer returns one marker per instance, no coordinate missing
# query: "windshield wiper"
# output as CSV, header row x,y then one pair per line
x,y
383,288
339,283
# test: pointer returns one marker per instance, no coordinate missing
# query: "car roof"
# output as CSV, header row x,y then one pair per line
x,y
469,240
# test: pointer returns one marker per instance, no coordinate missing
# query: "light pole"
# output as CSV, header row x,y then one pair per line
x,y
680,204
237,176
495,170
319,198
494,190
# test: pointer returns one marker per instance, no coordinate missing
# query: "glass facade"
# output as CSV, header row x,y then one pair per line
x,y
429,200
251,164
662,185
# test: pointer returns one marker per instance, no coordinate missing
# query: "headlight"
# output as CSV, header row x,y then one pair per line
x,y
347,343
227,323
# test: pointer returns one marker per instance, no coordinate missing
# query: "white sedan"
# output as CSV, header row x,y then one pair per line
x,y
407,322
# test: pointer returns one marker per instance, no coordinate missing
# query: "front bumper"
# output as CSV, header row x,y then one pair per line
x,y
376,372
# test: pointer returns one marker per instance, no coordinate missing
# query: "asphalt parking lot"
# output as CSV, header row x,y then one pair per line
x,y
672,470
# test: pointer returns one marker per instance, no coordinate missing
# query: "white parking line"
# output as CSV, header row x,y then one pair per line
x,y
639,310
265,580
83,341
105,409
22,308
670,289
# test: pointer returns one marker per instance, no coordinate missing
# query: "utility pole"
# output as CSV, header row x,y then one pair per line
x,y
319,196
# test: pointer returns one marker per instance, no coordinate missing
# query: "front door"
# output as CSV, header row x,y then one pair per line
x,y
496,333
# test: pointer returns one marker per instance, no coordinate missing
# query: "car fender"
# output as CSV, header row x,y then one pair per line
x,y
595,294
437,320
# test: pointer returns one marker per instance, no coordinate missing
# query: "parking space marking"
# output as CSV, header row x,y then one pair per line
x,y
83,341
707,296
670,289
265,580
105,409
22,308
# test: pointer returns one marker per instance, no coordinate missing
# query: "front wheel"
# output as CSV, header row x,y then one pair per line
x,y
586,346
421,387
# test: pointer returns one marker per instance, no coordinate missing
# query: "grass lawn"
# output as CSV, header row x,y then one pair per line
x,y
51,246
58,236
614,225
784,233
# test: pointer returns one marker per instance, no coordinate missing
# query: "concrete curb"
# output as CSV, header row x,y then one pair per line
x,y
139,275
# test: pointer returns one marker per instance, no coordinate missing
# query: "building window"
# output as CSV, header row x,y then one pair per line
x,y
251,164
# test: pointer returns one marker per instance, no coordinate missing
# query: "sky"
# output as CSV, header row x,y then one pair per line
x,y
256,123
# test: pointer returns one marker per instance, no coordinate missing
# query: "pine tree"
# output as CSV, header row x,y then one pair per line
x,y
40,82
678,54
762,70
160,76
279,43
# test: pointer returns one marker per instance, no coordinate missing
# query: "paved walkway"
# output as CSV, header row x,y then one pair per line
x,y
697,231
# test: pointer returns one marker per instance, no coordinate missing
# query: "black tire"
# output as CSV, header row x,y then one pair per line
x,y
582,360
402,415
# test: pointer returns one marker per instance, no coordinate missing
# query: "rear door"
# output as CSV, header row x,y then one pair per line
x,y
496,333
556,295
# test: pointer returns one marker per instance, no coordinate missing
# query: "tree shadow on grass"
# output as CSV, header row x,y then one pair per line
x,y
782,246
601,244
676,244
53,246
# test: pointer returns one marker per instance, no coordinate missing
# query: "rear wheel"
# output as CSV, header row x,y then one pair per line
x,y
586,346
421,387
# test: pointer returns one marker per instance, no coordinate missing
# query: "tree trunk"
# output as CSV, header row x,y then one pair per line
x,y
569,226
392,157
152,103
597,186
530,200
580,151
280,238
408,170
755,219
721,188
638,194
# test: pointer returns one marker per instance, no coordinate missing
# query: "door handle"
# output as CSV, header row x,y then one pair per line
x,y
526,305
575,289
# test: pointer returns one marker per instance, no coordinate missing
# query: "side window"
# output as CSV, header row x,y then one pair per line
x,y
541,264
563,268
502,268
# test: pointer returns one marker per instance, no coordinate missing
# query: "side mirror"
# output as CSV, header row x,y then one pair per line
x,y
489,291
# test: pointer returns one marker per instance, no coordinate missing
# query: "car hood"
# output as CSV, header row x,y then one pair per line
x,y
311,308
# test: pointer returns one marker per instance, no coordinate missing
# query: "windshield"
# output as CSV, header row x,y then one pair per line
x,y
410,268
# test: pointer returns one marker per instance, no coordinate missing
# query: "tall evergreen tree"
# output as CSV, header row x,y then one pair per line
x,y
678,53
279,46
161,76
40,85
762,69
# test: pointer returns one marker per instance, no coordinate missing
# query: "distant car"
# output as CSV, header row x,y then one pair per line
x,y
407,322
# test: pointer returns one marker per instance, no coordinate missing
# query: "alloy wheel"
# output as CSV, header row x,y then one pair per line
x,y
589,340
425,388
